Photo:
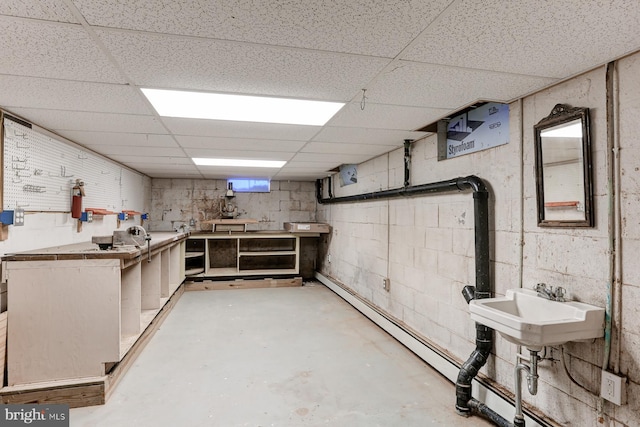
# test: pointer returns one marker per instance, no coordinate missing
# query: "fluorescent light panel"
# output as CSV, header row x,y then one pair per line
x,y
201,161
243,108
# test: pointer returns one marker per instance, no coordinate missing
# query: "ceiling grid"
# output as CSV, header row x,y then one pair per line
x,y
76,67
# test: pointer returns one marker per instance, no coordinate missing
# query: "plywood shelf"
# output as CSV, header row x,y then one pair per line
x,y
260,253
270,271
194,271
266,253
193,254
222,271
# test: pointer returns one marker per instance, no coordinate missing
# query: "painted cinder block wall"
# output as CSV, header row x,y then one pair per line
x,y
176,201
425,246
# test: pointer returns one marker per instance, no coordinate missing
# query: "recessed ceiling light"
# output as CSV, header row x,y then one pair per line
x,y
243,108
201,161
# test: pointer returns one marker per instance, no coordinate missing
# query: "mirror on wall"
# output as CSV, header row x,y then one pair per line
x,y
563,168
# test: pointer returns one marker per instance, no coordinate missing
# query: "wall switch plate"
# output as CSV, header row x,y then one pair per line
x,y
613,388
18,217
386,283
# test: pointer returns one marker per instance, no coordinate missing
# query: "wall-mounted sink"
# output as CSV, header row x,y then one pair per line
x,y
524,318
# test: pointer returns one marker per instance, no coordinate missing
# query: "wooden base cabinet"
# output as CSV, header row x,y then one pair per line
x,y
76,318
242,254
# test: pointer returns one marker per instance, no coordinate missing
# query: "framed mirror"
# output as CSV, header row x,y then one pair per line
x,y
563,168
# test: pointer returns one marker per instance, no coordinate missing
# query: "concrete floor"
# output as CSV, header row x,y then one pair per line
x,y
275,357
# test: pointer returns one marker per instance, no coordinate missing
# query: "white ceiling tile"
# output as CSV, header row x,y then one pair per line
x,y
250,130
230,153
344,148
387,137
33,92
90,139
167,171
297,176
309,165
153,166
50,10
60,121
438,86
338,158
189,63
224,172
149,162
379,116
173,174
238,143
418,61
552,39
54,50
154,162
140,152
344,26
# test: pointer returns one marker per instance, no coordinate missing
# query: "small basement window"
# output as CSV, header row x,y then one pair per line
x,y
250,185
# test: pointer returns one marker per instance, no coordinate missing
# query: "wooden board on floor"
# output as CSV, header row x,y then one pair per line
x,y
82,392
75,395
243,284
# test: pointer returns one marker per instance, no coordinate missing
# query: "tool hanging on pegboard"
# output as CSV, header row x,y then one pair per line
x,y
76,199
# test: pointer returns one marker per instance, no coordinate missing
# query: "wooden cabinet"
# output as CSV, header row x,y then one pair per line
x,y
76,311
242,254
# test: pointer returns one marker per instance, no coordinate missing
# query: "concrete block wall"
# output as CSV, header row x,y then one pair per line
x,y
425,246
177,201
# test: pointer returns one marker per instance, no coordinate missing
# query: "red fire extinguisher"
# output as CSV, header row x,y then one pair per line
x,y
76,199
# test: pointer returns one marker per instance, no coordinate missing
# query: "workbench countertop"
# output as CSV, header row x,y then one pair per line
x,y
88,250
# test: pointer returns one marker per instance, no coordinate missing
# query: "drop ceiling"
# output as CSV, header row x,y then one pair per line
x,y
76,67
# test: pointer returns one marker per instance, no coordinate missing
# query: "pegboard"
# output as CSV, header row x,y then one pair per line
x,y
40,171
132,186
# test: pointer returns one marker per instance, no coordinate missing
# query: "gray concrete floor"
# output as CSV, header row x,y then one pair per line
x,y
275,357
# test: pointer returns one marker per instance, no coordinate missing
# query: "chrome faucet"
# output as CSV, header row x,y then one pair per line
x,y
549,293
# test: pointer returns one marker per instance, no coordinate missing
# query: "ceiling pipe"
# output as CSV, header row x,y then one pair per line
x,y
484,335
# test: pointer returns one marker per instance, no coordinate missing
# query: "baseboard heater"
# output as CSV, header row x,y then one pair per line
x,y
449,368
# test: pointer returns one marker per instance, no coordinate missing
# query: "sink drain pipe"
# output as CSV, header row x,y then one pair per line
x,y
484,335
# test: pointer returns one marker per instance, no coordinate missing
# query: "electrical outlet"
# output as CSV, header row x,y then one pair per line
x,y
18,217
329,259
386,283
612,388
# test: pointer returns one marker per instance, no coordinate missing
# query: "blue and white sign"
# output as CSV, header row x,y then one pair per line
x,y
478,129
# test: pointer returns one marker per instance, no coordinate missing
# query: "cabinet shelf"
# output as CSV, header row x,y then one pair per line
x,y
267,272
193,254
232,271
194,271
243,254
267,253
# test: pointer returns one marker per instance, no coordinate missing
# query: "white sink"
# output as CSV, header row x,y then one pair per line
x,y
524,318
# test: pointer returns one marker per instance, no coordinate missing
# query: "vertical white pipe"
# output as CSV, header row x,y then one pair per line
x,y
521,243
388,219
617,300
610,215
